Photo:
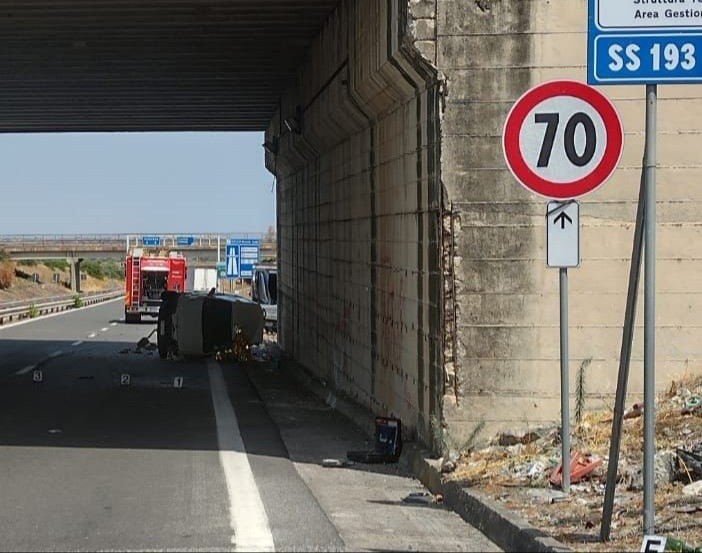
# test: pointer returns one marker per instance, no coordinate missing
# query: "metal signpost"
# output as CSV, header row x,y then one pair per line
x,y
643,43
562,140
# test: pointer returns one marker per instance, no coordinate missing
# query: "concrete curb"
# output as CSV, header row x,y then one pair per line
x,y
503,527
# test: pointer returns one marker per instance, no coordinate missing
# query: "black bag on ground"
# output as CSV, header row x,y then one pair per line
x,y
388,443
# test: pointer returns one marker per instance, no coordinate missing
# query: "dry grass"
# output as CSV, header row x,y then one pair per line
x,y
7,274
501,473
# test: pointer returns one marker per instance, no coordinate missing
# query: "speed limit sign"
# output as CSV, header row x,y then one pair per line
x,y
562,139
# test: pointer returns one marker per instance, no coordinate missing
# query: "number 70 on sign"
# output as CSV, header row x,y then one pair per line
x,y
562,139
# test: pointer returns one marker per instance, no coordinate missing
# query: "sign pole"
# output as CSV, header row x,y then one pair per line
x,y
624,361
565,385
650,311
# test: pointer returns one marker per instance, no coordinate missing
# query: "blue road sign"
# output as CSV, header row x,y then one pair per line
x,y
185,240
151,240
242,255
644,43
232,261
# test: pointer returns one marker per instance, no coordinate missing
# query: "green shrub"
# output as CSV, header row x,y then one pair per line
x,y
57,264
102,269
77,301
33,311
93,268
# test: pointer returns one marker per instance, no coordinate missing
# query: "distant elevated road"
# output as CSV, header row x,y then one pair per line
x,y
74,246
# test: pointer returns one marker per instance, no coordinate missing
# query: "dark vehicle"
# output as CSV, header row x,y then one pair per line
x,y
199,324
264,291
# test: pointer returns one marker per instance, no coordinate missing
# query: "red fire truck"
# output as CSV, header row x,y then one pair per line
x,y
147,276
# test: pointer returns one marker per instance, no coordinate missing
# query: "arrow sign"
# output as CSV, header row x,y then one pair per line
x,y
563,217
563,234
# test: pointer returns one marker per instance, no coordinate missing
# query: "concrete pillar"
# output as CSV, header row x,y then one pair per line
x,y
75,273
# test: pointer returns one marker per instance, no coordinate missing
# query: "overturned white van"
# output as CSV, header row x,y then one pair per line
x,y
200,324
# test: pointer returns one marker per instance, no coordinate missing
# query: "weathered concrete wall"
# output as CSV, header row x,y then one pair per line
x,y
506,300
413,275
359,212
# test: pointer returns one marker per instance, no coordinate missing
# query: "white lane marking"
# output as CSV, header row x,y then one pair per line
x,y
113,324
55,354
92,335
77,343
247,514
66,312
25,370
104,329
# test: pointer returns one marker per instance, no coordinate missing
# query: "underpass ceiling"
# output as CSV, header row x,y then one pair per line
x,y
140,65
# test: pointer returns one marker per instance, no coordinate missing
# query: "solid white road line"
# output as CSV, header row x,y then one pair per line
x,y
247,514
77,343
25,370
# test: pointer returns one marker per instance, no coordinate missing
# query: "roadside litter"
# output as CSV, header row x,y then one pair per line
x,y
144,344
336,463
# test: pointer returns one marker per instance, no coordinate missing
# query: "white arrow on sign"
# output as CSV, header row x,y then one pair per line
x,y
563,234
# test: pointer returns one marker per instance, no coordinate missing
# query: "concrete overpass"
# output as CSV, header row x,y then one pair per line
x,y
412,272
199,249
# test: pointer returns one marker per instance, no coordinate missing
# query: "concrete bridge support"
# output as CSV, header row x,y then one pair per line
x,y
359,214
75,273
412,265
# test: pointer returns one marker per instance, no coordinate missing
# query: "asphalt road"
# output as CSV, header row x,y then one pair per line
x,y
105,447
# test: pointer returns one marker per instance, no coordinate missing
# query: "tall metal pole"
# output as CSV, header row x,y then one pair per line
x,y
565,384
218,252
650,311
624,360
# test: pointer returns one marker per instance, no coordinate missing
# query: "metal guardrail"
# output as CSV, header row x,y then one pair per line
x,y
18,310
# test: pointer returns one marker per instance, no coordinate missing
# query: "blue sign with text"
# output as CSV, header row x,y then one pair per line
x,y
242,255
185,240
635,42
151,240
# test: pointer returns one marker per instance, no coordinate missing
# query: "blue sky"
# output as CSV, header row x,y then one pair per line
x,y
93,183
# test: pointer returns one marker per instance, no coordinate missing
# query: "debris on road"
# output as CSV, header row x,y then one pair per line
x,y
420,498
336,463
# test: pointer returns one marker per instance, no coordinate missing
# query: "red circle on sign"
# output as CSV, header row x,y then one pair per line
x,y
562,190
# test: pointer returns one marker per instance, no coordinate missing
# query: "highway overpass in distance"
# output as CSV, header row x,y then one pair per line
x,y
196,247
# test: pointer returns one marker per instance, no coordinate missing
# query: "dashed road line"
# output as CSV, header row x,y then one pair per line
x,y
55,354
92,335
248,517
25,370
113,324
77,343
104,329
